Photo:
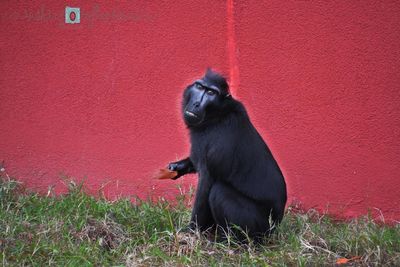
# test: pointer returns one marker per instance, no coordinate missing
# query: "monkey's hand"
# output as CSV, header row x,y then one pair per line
x,y
182,167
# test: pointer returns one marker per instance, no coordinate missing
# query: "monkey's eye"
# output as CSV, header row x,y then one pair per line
x,y
211,92
199,86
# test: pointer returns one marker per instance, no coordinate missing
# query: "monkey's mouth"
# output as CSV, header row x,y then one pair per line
x,y
192,118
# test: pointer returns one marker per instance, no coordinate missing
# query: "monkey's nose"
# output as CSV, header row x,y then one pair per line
x,y
196,104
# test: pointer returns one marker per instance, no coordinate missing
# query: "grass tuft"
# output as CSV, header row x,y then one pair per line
x,y
78,229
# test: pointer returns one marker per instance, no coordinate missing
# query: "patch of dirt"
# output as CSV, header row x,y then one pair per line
x,y
108,234
186,242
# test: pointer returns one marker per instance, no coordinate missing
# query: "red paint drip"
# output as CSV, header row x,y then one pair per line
x,y
233,64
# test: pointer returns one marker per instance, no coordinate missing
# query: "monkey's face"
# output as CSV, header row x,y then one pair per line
x,y
201,99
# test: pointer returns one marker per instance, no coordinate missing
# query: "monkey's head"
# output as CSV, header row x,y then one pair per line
x,y
204,100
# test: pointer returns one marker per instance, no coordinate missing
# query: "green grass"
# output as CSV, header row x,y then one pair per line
x,y
80,230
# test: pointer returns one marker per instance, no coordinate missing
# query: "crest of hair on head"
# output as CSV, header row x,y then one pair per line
x,y
217,79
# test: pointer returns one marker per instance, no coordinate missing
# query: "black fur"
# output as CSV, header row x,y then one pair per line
x,y
240,182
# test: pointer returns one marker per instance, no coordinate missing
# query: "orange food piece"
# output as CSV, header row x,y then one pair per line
x,y
165,174
345,260
342,261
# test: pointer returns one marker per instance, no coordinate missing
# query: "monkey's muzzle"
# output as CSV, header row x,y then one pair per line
x,y
192,118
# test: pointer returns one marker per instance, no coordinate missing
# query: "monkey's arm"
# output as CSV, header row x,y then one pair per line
x,y
183,167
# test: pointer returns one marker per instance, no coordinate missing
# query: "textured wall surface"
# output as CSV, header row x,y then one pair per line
x,y
322,81
99,100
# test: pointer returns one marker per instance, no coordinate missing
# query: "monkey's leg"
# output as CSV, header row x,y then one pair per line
x,y
201,213
230,207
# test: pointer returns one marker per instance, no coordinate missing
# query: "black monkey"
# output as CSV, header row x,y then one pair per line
x,y
240,182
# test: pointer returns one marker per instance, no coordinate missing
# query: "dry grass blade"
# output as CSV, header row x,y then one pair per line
x,y
108,234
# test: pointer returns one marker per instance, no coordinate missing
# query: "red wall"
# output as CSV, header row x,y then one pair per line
x,y
100,99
